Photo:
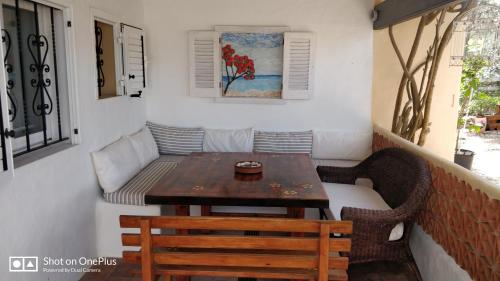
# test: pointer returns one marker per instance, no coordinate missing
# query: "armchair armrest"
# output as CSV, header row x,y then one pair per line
x,y
375,225
338,174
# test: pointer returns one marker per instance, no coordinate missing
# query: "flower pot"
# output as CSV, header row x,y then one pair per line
x,y
464,158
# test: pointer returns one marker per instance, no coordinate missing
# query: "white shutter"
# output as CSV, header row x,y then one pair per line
x,y
204,64
133,58
298,58
6,160
5,144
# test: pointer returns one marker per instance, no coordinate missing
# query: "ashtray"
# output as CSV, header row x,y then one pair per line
x,y
248,167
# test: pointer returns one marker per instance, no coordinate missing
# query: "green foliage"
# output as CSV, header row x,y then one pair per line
x,y
474,128
482,103
470,79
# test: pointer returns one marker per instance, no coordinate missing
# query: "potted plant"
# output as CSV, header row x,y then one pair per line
x,y
464,157
469,84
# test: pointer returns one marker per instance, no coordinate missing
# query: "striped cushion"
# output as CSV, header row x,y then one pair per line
x,y
286,142
133,192
176,140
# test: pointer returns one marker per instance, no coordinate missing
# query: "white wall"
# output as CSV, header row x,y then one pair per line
x,y
48,208
342,97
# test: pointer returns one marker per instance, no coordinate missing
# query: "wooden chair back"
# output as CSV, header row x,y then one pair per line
x,y
313,256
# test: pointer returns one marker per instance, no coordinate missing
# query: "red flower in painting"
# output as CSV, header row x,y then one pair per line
x,y
239,66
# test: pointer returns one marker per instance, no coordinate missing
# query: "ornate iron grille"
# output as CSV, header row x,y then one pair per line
x,y
35,71
6,39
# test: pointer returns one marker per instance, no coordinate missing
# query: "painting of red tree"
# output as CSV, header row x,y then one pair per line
x,y
252,64
236,66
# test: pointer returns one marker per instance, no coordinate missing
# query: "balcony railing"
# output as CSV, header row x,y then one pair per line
x,y
462,213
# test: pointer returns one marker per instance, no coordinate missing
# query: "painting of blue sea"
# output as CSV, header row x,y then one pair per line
x,y
252,65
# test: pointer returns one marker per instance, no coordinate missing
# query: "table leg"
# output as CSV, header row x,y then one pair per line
x,y
206,211
296,213
182,210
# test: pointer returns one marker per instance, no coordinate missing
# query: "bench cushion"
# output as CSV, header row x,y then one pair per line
x,y
145,146
177,140
348,145
133,192
283,142
116,164
222,140
357,196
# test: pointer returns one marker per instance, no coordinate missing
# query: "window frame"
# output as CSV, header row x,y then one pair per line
x,y
74,137
99,15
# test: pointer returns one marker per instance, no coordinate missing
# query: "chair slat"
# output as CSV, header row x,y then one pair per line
x,y
338,262
132,257
242,224
340,244
244,272
334,262
238,242
226,242
239,260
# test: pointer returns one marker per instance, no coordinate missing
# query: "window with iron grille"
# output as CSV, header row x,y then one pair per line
x,y
35,64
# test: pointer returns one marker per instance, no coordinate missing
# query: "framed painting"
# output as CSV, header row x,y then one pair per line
x,y
252,61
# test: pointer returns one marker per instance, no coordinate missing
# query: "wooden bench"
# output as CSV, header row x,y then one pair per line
x,y
316,256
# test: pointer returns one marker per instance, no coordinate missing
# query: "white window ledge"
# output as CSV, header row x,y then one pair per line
x,y
38,154
250,100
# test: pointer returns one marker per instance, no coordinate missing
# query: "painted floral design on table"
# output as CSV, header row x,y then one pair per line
x,y
252,64
275,187
307,186
198,187
290,192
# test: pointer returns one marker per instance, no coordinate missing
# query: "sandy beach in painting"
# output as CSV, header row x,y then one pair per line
x,y
254,94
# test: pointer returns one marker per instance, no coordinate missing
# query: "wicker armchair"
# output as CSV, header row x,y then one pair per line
x,y
403,180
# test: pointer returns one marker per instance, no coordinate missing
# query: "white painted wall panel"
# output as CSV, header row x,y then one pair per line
x,y
48,208
343,65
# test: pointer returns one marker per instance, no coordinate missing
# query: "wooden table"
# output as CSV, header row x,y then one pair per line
x,y
288,180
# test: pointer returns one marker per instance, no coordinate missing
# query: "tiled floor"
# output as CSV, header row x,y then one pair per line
x,y
487,149
127,272
379,271
120,272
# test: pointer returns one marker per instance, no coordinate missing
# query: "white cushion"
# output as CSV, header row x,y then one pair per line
x,y
335,162
145,146
347,145
357,196
116,164
220,140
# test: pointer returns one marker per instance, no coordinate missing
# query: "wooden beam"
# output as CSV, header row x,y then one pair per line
x,y
391,12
